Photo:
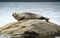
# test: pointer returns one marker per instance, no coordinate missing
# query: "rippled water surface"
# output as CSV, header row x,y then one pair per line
x,y
48,9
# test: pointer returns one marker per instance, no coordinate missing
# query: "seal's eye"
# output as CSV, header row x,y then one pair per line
x,y
22,18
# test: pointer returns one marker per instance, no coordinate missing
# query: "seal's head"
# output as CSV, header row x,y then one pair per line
x,y
18,16
14,14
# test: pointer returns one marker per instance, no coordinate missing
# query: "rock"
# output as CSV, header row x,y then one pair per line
x,y
31,29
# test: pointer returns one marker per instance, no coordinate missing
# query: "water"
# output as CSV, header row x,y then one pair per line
x,y
47,9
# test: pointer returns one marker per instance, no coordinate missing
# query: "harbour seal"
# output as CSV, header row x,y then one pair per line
x,y
27,15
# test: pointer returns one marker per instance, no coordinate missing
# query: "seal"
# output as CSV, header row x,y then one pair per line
x,y
27,16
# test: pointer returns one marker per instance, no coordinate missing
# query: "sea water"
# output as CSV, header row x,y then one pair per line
x,y
47,9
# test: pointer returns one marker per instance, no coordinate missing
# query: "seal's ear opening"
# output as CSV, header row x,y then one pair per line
x,y
30,34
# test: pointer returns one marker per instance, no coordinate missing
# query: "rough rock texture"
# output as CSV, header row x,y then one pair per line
x,y
31,29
